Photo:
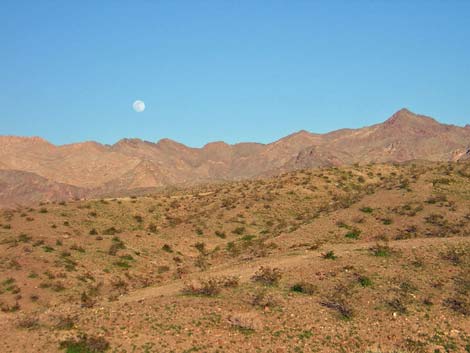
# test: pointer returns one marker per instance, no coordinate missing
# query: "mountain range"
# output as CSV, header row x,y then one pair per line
x,y
32,169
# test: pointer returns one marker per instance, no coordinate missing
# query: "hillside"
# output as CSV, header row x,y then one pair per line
x,y
133,164
371,258
19,188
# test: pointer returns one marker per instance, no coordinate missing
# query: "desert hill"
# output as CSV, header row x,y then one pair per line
x,y
132,164
372,258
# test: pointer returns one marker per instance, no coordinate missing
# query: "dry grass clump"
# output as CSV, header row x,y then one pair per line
x,y
339,300
381,250
340,306
27,322
303,287
267,276
85,343
211,286
245,322
263,299
457,254
65,322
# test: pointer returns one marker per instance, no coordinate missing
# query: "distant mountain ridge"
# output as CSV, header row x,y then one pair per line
x,y
90,168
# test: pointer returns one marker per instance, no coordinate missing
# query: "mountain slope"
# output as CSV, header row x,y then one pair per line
x,y
134,163
18,187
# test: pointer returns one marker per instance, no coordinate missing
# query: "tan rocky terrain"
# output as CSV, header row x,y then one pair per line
x,y
133,164
361,258
26,188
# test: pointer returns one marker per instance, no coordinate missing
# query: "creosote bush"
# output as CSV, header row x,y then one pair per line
x,y
381,250
330,255
85,344
211,286
303,287
267,276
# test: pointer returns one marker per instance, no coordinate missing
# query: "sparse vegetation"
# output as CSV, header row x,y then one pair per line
x,y
381,250
304,287
85,344
283,263
267,276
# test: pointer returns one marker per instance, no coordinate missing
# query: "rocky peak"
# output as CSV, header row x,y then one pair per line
x,y
403,115
131,142
215,145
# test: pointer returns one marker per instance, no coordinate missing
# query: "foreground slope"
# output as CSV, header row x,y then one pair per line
x,y
351,259
133,164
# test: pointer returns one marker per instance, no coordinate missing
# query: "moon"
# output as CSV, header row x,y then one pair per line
x,y
138,106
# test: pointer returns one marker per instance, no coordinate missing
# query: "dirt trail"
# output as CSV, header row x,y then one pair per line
x,y
244,270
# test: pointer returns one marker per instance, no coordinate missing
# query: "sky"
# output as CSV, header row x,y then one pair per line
x,y
245,70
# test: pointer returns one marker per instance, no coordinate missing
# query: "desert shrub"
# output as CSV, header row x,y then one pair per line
x,y
56,286
138,218
201,262
239,230
303,287
459,304
210,286
201,247
48,248
457,255
245,322
126,257
86,300
24,238
267,276
65,322
38,243
329,255
436,199
364,281
77,247
436,219
122,264
152,228
111,231
398,305
85,344
441,181
232,248
163,269
167,248
119,285
116,246
387,221
366,209
220,234
263,299
8,282
340,306
353,234
27,322
381,250
6,308
229,281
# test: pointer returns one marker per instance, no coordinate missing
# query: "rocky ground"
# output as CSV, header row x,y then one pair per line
x,y
354,259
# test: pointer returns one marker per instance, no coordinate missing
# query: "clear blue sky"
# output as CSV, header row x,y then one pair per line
x,y
227,70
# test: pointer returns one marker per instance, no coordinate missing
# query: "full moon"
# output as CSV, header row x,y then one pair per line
x,y
138,106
